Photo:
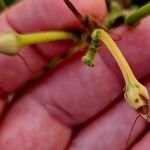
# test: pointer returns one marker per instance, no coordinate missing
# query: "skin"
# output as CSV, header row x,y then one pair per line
x,y
73,106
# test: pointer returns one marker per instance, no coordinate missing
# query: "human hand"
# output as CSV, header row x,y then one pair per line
x,y
73,106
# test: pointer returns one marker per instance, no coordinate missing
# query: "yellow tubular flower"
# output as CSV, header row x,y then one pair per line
x,y
135,93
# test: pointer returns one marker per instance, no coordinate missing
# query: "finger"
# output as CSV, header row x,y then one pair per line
x,y
112,128
31,127
115,122
38,15
143,143
46,15
31,115
27,125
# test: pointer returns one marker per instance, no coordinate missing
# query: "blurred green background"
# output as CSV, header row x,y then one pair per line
x,y
9,2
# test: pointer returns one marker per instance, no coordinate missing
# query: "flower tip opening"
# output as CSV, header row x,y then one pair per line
x,y
144,110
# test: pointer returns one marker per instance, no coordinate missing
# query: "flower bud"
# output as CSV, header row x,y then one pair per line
x,y
9,43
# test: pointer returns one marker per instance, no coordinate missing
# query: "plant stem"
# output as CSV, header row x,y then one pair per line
x,y
36,38
11,42
135,17
94,44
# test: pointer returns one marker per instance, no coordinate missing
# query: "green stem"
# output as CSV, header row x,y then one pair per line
x,y
36,38
88,58
2,5
11,42
135,17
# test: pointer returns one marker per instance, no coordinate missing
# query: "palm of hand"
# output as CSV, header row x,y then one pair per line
x,y
72,95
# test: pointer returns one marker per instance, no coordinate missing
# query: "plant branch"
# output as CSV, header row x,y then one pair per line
x,y
135,17
41,37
